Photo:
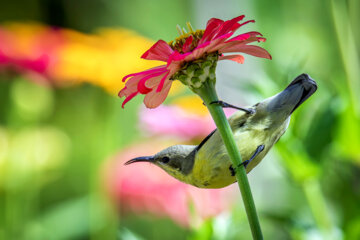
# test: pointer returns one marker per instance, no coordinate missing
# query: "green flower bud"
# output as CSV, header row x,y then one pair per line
x,y
195,74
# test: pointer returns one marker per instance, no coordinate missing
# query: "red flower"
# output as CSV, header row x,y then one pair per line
x,y
155,83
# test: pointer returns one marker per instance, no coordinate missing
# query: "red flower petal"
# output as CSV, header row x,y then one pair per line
x,y
153,99
176,56
249,49
228,45
159,51
187,45
128,98
151,70
236,58
216,44
250,21
214,21
130,87
142,87
244,36
230,25
122,92
211,28
136,84
162,81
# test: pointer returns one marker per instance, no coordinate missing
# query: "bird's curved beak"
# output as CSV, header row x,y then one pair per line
x,y
149,159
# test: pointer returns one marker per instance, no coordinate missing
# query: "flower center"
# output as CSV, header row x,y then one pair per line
x,y
178,43
195,73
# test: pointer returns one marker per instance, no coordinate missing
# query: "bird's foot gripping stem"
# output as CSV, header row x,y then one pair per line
x,y
227,105
258,150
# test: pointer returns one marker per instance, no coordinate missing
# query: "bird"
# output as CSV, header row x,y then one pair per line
x,y
256,129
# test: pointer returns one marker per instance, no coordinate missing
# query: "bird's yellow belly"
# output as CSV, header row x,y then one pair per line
x,y
216,175
213,169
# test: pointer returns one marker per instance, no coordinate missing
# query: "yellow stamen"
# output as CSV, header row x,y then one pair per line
x,y
179,41
178,28
188,24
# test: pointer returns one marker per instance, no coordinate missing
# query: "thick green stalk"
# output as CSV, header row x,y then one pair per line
x,y
208,94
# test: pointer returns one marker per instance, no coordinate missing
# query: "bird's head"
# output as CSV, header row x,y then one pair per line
x,y
176,160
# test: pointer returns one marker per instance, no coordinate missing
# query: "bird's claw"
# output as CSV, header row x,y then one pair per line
x,y
227,105
258,150
245,163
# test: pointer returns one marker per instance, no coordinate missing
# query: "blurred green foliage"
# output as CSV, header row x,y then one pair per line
x,y
53,142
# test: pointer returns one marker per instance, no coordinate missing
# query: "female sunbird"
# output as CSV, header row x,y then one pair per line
x,y
256,130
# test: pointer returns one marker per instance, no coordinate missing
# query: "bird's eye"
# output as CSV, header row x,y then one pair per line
x,y
165,159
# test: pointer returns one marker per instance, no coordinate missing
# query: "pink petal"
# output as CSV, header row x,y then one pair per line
x,y
153,99
162,81
230,25
212,27
159,51
250,21
244,36
241,37
187,45
236,58
176,56
214,21
151,70
215,44
128,98
143,84
122,92
228,45
251,50
197,52
130,86
126,91
142,87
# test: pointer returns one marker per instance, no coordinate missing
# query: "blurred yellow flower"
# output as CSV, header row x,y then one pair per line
x,y
191,104
64,56
101,59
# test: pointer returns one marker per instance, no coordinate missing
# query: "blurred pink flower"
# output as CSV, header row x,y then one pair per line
x,y
29,50
177,121
155,82
144,188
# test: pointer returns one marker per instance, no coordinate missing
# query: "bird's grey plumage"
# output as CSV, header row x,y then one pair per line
x,y
179,157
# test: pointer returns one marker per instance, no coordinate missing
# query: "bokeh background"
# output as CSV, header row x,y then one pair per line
x,y
64,136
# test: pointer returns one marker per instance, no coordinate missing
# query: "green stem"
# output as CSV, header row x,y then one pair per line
x,y
208,94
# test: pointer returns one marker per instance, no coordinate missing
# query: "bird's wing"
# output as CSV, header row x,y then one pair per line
x,y
204,140
236,121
